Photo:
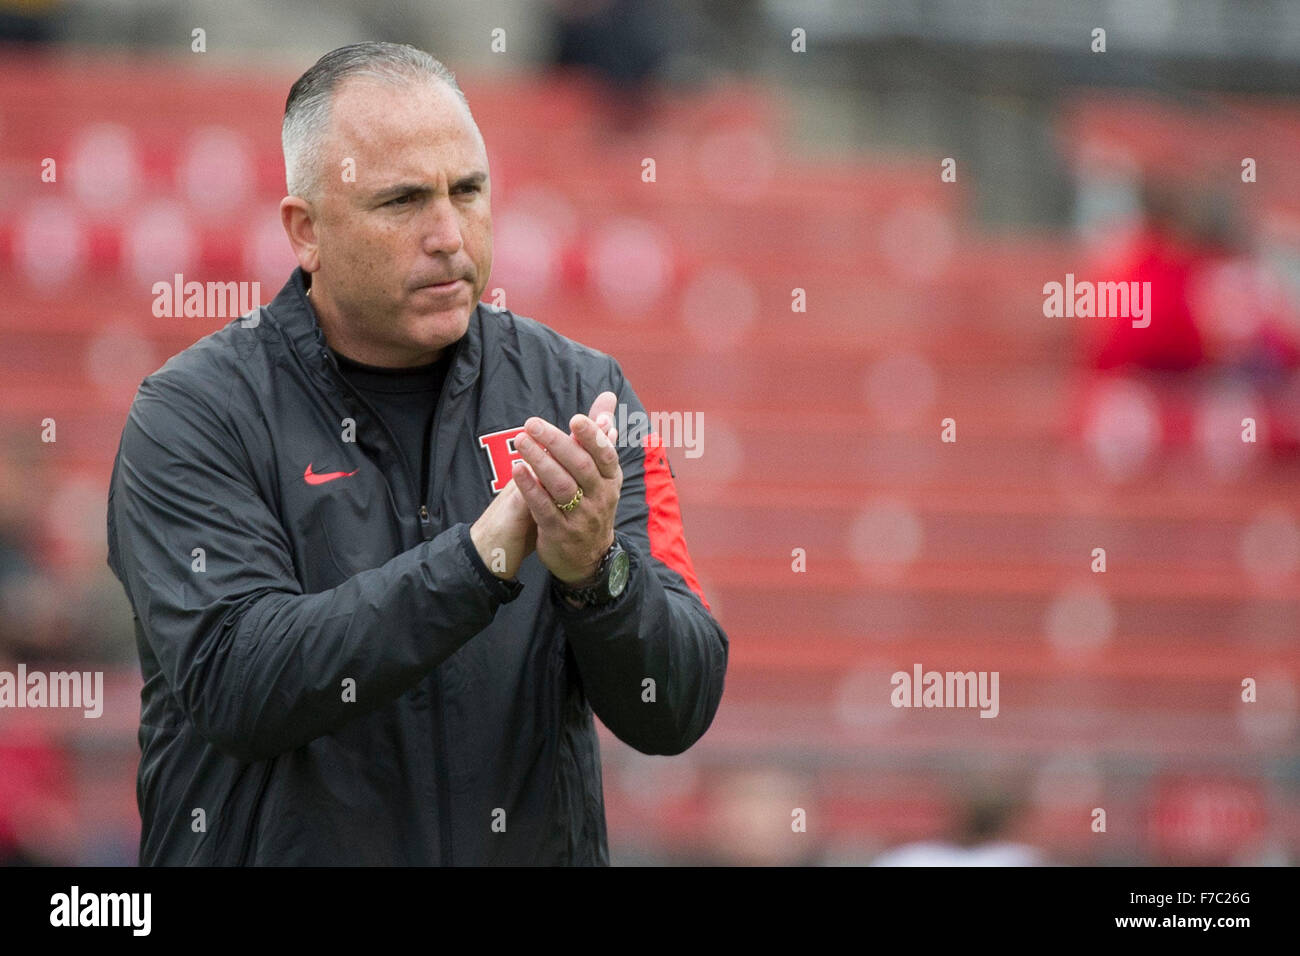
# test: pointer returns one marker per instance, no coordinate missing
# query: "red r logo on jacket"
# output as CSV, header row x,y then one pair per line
x,y
501,452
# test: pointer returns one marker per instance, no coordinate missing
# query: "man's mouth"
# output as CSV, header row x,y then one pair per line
x,y
442,286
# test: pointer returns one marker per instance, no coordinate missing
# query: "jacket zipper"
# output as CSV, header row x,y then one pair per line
x,y
426,532
439,734
436,709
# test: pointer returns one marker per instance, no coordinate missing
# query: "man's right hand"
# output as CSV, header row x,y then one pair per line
x,y
505,533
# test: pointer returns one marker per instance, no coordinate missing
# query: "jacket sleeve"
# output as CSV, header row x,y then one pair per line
x,y
660,628
257,665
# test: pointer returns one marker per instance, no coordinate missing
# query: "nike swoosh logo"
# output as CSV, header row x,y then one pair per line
x,y
314,479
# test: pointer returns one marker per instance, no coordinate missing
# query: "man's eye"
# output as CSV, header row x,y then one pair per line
x,y
400,200
470,189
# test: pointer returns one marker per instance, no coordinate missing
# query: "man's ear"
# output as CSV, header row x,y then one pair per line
x,y
299,220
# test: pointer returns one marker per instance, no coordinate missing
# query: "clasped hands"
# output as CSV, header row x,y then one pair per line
x,y
526,517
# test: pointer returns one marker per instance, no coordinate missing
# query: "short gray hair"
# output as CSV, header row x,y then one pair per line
x,y
307,110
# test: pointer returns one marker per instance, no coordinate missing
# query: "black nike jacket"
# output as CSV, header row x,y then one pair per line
x,y
331,673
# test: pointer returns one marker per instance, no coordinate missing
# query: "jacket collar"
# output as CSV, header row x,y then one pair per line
x,y
294,313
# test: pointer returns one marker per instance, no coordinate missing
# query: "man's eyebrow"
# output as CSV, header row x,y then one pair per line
x,y
476,178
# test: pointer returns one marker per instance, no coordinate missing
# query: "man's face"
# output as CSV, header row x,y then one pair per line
x,y
417,214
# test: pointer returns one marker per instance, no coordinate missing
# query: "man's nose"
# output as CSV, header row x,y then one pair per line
x,y
442,228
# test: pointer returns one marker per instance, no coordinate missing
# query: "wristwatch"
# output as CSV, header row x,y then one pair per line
x,y
608,584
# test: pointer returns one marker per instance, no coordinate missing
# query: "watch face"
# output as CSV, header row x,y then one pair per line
x,y
618,573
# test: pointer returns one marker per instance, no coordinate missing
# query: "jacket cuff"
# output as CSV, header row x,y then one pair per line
x,y
503,591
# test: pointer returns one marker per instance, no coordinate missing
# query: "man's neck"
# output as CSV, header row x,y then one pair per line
x,y
347,362
359,351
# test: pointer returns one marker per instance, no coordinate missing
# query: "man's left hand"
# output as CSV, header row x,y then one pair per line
x,y
570,545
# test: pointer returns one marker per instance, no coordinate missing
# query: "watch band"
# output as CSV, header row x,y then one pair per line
x,y
596,593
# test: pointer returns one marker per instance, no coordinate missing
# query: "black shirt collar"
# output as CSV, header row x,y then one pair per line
x,y
375,378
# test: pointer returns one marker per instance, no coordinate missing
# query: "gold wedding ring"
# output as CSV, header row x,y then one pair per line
x,y
572,502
